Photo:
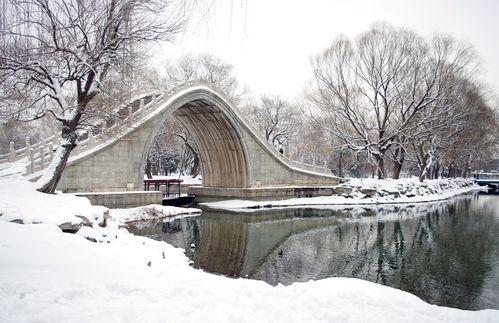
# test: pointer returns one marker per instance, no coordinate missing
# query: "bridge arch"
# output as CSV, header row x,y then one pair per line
x,y
212,123
236,162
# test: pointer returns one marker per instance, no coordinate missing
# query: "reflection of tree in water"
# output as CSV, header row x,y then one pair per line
x,y
443,256
440,252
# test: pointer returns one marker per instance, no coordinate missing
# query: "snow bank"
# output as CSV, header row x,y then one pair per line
x,y
368,191
49,276
153,211
13,169
19,201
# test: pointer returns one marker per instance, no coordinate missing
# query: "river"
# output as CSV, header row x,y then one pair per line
x,y
446,253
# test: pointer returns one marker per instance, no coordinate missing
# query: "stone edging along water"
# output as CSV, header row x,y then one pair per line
x,y
372,192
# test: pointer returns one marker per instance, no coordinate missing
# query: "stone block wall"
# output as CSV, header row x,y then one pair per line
x,y
124,199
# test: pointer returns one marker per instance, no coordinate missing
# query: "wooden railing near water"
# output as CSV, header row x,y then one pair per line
x,y
158,184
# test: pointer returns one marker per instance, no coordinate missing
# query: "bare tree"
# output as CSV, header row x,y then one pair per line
x,y
174,146
58,53
374,90
207,69
275,118
465,131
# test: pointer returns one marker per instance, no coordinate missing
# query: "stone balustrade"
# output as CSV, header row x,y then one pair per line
x,y
41,153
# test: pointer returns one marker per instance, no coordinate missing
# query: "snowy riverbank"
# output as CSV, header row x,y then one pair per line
x,y
50,276
150,212
21,203
368,192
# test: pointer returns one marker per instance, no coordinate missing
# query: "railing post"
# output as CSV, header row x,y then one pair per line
x,y
12,152
42,155
31,166
103,127
50,151
130,115
28,143
142,108
153,102
57,135
91,139
76,149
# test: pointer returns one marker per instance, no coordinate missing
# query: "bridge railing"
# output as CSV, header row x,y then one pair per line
x,y
40,154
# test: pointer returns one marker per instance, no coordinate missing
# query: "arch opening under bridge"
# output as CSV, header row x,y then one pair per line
x,y
221,146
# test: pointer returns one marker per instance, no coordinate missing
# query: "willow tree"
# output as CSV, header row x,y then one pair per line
x,y
56,54
376,88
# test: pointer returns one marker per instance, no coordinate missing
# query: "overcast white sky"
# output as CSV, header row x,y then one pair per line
x,y
270,42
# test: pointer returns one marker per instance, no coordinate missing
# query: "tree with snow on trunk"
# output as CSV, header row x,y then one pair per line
x,y
57,53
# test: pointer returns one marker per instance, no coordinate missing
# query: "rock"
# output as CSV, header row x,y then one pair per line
x,y
70,227
368,191
382,193
18,221
105,216
84,221
343,190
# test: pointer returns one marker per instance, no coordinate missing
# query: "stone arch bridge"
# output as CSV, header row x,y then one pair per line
x,y
236,162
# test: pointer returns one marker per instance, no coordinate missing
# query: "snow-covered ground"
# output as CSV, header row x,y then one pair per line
x,y
153,211
19,201
407,190
50,276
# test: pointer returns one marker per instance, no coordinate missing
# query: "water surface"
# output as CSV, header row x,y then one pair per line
x,y
445,253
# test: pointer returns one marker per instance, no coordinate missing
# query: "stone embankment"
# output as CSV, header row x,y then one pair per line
x,y
368,191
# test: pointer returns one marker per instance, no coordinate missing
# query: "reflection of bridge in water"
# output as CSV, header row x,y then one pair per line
x,y
417,248
235,244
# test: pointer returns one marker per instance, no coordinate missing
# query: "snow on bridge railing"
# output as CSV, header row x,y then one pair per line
x,y
41,153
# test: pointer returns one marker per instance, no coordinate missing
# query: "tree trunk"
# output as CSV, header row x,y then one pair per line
x,y
398,163
422,176
380,167
425,172
340,163
148,169
452,170
49,180
195,166
436,173
397,167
